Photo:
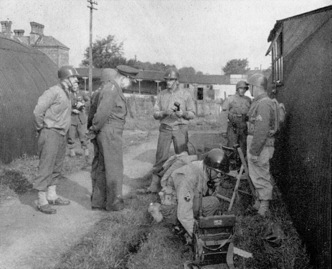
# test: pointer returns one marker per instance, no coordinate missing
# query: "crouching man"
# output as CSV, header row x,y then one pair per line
x,y
185,185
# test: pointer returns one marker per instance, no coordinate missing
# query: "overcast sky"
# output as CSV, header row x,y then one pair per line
x,y
204,34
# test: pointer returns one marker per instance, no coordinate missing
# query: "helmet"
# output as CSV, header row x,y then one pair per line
x,y
216,159
242,84
171,73
107,74
67,71
258,80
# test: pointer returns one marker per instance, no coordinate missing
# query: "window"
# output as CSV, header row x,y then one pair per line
x,y
186,86
277,60
200,94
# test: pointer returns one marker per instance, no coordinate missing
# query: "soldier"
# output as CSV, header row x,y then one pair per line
x,y
260,141
108,123
78,121
174,108
237,107
192,180
52,121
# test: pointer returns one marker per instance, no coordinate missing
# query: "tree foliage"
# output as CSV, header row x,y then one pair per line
x,y
106,53
236,66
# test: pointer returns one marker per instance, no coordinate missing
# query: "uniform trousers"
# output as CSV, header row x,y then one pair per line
x,y
108,177
237,136
52,152
178,135
260,171
79,130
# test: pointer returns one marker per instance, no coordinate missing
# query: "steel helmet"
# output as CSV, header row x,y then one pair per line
x,y
171,73
258,80
242,84
217,160
67,71
108,74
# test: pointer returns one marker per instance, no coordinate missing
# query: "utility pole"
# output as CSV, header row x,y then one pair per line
x,y
91,7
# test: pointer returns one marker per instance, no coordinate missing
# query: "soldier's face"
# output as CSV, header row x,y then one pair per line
x,y
170,83
242,91
125,83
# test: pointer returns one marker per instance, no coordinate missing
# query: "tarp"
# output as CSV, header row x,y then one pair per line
x,y
25,73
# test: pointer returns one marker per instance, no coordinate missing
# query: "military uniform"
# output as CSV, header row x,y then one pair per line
x,y
78,119
172,128
261,143
237,107
52,121
108,123
188,182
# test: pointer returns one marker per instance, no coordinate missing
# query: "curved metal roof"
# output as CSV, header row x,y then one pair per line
x,y
25,73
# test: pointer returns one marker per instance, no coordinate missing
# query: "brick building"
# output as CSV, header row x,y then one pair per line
x,y
54,49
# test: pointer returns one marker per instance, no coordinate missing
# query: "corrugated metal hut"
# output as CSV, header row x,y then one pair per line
x,y
24,74
301,48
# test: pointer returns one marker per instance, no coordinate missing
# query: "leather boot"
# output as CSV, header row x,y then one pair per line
x,y
155,186
263,208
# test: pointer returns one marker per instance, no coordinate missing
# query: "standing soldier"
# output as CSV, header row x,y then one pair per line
x,y
78,121
260,141
108,123
237,107
174,108
52,121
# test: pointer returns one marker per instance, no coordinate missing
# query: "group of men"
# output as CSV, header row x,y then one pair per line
x,y
249,125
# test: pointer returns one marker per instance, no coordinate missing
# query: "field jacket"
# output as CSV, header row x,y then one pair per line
x,y
112,107
165,101
53,110
261,121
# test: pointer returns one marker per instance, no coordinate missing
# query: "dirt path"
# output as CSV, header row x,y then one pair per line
x,y
30,239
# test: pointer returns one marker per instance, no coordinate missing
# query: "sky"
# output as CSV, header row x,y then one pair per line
x,y
203,34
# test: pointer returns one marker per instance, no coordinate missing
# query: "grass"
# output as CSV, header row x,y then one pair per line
x,y
130,239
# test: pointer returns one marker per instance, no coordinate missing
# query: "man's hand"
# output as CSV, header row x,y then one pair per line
x,y
254,158
179,113
167,113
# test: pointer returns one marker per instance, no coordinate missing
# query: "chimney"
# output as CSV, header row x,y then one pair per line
x,y
6,28
37,30
19,33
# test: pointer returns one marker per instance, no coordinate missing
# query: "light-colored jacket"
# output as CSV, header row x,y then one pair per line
x,y
165,101
189,181
53,110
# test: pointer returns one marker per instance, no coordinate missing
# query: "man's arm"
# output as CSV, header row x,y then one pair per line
x,y
44,102
262,128
107,99
189,113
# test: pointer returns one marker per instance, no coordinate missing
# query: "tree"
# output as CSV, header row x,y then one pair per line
x,y
106,53
187,71
236,66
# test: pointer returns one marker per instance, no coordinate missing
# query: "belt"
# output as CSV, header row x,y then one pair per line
x,y
172,128
115,122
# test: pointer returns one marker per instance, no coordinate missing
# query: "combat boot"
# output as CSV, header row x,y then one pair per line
x,y
155,186
263,208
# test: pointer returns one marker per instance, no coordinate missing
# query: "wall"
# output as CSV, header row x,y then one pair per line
x,y
59,56
302,160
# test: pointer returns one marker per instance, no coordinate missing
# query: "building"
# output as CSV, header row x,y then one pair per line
x,y
54,49
301,51
25,74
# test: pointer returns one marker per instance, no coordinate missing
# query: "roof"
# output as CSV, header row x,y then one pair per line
x,y
25,73
150,75
280,22
206,79
44,41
